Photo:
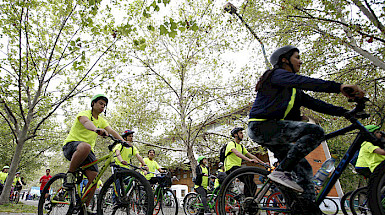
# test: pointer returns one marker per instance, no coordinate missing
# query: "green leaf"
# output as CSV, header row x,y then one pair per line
x,y
163,30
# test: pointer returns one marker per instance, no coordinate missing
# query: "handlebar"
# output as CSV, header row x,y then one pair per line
x,y
111,146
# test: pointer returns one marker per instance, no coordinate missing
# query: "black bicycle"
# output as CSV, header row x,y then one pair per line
x,y
290,203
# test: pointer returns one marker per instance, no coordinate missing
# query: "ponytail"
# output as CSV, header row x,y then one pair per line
x,y
263,78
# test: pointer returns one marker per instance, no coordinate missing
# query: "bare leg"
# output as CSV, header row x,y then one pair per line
x,y
91,175
81,153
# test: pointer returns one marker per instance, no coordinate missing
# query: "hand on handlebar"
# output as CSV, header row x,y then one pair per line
x,y
352,91
101,132
124,162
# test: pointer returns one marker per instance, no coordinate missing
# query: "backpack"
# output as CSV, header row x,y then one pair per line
x,y
222,152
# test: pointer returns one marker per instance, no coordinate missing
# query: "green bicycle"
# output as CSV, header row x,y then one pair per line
x,y
165,200
192,203
134,196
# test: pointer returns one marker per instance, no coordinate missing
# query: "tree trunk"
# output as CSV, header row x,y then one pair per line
x,y
4,198
193,162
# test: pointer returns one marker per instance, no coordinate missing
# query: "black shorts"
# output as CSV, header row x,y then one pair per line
x,y
70,148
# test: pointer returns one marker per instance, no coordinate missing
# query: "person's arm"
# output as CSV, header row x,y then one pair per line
x,y
379,151
320,106
86,122
119,156
114,133
140,158
254,158
237,153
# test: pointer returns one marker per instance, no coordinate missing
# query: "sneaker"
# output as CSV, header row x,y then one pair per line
x,y
285,179
90,211
69,181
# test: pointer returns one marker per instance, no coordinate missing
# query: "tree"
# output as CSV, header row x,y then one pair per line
x,y
50,52
180,74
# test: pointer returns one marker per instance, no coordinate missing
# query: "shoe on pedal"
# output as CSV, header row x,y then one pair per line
x,y
69,181
285,179
90,211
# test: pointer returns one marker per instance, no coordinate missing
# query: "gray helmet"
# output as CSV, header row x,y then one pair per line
x,y
274,58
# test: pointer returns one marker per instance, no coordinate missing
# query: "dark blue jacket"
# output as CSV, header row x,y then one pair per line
x,y
274,96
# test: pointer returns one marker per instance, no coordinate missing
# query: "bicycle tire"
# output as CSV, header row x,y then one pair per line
x,y
376,190
345,204
168,203
359,201
190,202
139,198
59,202
16,197
329,206
240,204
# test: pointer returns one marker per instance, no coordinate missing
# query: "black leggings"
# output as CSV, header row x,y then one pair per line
x,y
203,193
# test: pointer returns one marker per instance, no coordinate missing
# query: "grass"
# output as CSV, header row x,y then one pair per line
x,y
18,208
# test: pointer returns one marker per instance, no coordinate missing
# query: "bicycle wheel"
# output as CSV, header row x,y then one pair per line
x,y
359,201
329,206
168,203
134,197
54,199
345,205
376,192
191,204
275,200
16,197
240,190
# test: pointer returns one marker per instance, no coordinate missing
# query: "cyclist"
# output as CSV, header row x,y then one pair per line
x,y
152,166
79,145
44,179
275,119
124,155
18,182
235,153
3,177
370,156
220,175
202,181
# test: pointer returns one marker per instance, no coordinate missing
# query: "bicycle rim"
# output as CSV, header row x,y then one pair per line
x,y
54,199
329,206
359,201
376,192
168,203
191,204
135,196
236,193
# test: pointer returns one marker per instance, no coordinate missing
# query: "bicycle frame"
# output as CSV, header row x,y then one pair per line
x,y
354,147
210,203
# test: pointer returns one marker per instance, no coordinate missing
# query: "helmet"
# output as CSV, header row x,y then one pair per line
x,y
200,158
372,128
99,96
18,173
220,164
236,130
5,167
150,151
127,132
274,58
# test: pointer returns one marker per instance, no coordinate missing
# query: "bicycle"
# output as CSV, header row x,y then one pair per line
x,y
14,196
165,200
359,202
135,196
192,204
291,202
345,205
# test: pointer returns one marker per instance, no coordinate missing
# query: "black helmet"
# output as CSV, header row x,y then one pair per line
x,y
126,133
274,58
236,130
